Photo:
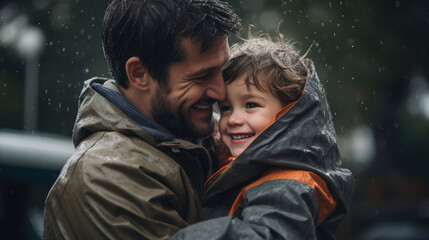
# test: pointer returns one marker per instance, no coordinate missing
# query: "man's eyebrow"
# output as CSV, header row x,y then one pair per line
x,y
201,72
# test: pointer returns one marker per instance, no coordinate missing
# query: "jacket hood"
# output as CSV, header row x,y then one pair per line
x,y
103,108
303,138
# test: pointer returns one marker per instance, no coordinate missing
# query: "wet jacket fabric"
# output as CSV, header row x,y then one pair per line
x,y
129,178
288,184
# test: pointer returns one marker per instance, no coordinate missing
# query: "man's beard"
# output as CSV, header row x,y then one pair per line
x,y
176,120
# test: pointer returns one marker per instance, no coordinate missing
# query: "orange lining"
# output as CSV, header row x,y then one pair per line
x,y
213,177
326,201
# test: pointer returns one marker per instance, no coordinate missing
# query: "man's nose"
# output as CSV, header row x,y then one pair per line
x,y
216,88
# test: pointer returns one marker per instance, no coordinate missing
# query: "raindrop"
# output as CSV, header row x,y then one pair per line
x,y
64,49
397,4
86,70
381,42
323,25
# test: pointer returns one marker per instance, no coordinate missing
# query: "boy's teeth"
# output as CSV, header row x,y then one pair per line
x,y
237,137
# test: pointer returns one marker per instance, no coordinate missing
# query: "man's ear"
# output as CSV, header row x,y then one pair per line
x,y
138,76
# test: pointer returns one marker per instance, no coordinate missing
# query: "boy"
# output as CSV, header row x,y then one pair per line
x,y
284,180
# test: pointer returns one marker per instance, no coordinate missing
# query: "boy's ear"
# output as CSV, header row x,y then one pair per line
x,y
138,75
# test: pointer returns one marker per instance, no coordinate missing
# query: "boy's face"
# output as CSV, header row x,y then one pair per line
x,y
245,114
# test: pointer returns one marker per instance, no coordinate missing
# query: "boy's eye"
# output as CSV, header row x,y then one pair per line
x,y
225,108
251,105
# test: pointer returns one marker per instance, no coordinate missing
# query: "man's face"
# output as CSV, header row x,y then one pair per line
x,y
185,105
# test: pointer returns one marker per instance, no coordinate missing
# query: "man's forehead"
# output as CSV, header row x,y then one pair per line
x,y
198,62
194,44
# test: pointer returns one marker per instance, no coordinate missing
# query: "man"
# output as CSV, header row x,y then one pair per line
x,y
137,172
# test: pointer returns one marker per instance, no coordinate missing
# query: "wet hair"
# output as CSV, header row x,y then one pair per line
x,y
151,30
265,63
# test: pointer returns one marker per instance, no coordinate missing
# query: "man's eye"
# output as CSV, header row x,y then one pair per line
x,y
251,105
203,77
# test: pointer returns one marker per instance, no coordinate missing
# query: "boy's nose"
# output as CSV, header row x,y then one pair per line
x,y
235,119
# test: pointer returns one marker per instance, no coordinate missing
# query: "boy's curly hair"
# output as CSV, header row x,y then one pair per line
x,y
267,63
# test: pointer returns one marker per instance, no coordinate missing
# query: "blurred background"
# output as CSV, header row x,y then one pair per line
x,y
371,56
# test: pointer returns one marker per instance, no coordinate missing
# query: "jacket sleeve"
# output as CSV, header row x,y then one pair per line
x,y
283,204
115,199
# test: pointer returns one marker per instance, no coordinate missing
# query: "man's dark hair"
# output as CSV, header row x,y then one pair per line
x,y
151,31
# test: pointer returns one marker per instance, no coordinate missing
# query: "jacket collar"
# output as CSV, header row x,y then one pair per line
x,y
153,128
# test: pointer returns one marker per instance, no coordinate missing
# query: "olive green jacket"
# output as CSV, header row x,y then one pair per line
x,y
129,178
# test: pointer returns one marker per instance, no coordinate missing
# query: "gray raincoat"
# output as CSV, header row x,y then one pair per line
x,y
288,184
